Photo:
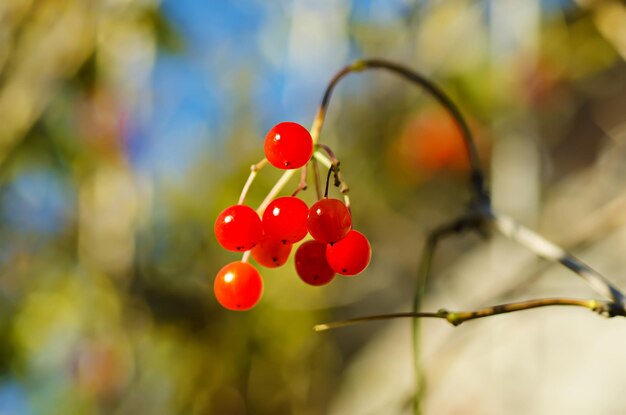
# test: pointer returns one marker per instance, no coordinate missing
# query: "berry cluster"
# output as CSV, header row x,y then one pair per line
x,y
335,248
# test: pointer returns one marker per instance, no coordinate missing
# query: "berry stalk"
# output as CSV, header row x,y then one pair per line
x,y
303,184
316,177
246,256
254,169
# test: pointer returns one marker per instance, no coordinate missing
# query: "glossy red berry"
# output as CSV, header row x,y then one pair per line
x,y
311,264
285,219
288,146
271,253
329,220
238,228
238,286
351,255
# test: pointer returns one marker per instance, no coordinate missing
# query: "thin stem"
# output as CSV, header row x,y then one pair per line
x,y
357,320
477,175
253,172
602,221
246,256
546,249
325,161
246,187
318,123
331,153
346,201
339,179
423,275
302,185
328,180
456,318
316,178
288,174
278,186
462,224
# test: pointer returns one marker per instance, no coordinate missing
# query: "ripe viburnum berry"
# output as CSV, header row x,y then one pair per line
x,y
329,220
238,228
238,286
351,255
288,145
271,253
311,264
285,219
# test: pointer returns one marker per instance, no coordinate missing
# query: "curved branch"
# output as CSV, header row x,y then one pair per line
x,y
477,180
477,174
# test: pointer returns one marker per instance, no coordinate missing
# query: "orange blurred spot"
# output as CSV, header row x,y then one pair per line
x,y
429,143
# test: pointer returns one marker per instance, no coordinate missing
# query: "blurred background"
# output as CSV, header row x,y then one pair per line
x,y
126,126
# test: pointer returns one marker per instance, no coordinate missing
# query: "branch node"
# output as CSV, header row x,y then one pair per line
x,y
358,66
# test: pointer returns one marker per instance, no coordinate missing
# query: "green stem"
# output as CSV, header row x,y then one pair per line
x,y
604,308
423,275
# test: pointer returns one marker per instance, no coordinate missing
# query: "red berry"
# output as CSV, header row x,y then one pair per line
x,y
238,228
329,220
288,145
271,253
238,286
311,264
285,219
351,255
